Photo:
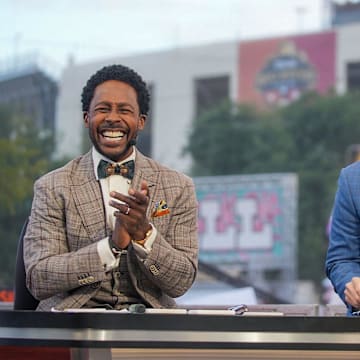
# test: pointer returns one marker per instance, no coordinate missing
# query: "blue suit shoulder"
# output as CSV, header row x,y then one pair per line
x,y
350,178
352,169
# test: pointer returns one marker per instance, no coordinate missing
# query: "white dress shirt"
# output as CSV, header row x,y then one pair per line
x,y
120,184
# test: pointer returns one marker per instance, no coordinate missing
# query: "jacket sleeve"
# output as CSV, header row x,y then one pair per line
x,y
53,265
173,261
343,256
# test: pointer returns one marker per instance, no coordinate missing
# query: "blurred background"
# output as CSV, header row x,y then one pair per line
x,y
256,100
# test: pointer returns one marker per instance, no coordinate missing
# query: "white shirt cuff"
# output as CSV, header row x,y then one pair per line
x,y
107,257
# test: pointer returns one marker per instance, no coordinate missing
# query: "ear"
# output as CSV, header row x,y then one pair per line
x,y
142,120
86,118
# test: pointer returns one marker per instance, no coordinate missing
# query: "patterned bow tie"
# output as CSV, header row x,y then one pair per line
x,y
106,169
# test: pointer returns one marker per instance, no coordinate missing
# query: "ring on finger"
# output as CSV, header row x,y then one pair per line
x,y
127,211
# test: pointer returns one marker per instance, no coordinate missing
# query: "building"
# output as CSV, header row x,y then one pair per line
x,y
28,89
345,13
185,81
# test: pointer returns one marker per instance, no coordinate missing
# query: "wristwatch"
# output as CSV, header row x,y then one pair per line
x,y
147,235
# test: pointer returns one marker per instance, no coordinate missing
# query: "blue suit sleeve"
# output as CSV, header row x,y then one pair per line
x,y
343,256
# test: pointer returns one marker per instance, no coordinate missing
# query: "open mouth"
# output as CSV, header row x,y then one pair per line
x,y
113,135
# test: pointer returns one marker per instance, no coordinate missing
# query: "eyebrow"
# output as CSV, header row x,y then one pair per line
x,y
108,103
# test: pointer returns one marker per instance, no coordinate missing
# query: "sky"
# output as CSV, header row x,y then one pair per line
x,y
89,30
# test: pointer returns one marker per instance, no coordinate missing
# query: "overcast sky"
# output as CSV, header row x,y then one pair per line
x,y
93,29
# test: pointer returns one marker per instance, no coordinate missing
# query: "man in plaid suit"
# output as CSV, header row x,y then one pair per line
x,y
112,227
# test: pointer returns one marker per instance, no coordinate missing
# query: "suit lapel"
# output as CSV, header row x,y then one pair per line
x,y
144,171
88,198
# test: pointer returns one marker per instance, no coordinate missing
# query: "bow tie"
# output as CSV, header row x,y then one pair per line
x,y
106,169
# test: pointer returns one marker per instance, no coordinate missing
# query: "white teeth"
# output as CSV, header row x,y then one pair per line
x,y
113,134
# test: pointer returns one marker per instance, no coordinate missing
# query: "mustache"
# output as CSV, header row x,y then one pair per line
x,y
113,126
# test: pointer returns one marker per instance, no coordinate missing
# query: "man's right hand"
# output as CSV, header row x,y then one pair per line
x,y
120,237
352,292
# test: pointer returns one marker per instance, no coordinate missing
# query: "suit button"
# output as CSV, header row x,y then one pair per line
x,y
154,270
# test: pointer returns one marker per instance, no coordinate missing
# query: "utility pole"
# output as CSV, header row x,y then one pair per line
x,y
300,14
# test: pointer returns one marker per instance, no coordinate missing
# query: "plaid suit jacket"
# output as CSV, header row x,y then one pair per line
x,y
67,220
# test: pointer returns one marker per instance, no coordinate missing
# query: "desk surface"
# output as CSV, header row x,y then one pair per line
x,y
101,330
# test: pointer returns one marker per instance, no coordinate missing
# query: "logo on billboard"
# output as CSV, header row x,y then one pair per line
x,y
286,75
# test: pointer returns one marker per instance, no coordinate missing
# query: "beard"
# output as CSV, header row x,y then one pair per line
x,y
115,154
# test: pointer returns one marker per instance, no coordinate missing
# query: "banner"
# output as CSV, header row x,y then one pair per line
x,y
248,219
275,72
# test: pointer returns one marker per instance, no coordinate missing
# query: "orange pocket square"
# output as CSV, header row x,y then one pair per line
x,y
160,209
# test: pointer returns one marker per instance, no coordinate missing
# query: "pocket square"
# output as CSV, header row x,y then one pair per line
x,y
160,209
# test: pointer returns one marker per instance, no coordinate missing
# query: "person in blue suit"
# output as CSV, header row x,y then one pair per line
x,y
343,255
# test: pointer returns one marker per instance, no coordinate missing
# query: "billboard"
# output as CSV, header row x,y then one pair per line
x,y
248,219
277,71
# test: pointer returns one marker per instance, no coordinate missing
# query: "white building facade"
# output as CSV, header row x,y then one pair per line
x,y
171,76
249,72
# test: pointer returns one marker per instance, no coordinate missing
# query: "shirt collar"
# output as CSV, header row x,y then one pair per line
x,y
96,156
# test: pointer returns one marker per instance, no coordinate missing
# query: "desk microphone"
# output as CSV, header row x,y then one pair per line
x,y
137,308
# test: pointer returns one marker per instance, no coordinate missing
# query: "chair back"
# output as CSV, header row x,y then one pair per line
x,y
23,299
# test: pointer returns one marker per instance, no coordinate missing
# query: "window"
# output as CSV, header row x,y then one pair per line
x,y
210,92
353,76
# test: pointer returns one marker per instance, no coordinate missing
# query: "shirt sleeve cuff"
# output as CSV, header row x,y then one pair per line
x,y
145,250
107,257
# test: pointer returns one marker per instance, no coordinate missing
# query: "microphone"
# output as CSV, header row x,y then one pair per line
x,y
137,308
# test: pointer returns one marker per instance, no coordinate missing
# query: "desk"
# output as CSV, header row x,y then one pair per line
x,y
132,335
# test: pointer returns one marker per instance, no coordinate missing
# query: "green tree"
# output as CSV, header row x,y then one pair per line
x,y
321,129
25,154
250,141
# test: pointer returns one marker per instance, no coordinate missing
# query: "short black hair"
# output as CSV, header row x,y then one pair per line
x,y
120,73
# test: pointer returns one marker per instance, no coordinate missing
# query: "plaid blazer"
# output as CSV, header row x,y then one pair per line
x,y
67,220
